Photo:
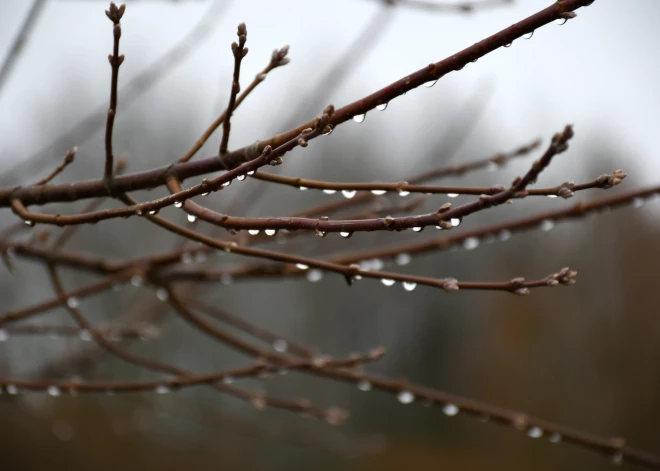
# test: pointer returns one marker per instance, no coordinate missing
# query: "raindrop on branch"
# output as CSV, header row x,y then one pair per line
x,y
450,410
328,191
280,345
405,397
528,35
387,281
378,192
348,194
430,83
381,107
364,385
359,118
178,204
314,275
192,218
409,285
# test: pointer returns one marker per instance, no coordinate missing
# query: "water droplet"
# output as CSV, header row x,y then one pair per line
x,y
302,266
378,192
450,410
471,243
280,345
637,202
405,397
240,178
226,184
561,21
192,218
387,281
452,195
381,107
554,438
552,196
85,335
359,118
270,232
509,44
251,172
73,302
11,389
617,458
314,275
403,259
345,235
186,258
348,194
4,335
547,225
204,194
409,285
455,222
535,432
227,380
418,228
253,232
54,391
364,385
302,188
528,35
403,193
162,294
162,389
178,204
153,212
327,130
504,235
136,281
430,83
328,191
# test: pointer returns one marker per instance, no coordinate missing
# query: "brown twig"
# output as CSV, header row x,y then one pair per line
x,y
239,51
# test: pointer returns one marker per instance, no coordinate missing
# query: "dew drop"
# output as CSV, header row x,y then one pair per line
x,y
387,281
455,222
302,266
280,345
328,191
85,335
204,194
509,44
552,196
11,389
270,232
504,235
403,193
4,335
452,195
162,294
409,285
471,243
450,410
136,281
403,259
359,118
240,178
528,35
418,228
348,194
226,184
178,204
314,275
54,391
73,302
561,21
153,212
554,438
378,192
320,234
381,107
227,380
162,389
302,188
186,258
327,131
430,83
251,172
547,225
364,385
637,202
405,397
192,218
345,234
253,232
535,432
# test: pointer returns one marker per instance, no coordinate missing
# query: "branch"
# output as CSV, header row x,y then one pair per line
x,y
240,51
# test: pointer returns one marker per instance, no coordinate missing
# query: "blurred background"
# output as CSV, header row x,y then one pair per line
x,y
586,356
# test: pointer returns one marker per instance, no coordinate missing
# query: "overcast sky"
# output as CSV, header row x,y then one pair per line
x,y
599,71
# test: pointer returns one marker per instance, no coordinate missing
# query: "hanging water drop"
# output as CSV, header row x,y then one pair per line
x,y
136,281
302,266
29,223
162,294
153,212
178,204
509,44
204,194
53,391
455,222
348,194
430,83
450,410
378,192
302,188
504,235
280,345
402,259
11,389
403,193
561,21
85,335
452,195
72,302
162,389
314,275
359,118
381,107
251,172
270,232
226,184
345,234
547,225
471,243
554,438
405,397
253,232
364,385
535,432
186,258
328,191
528,35
387,281
4,335
418,228
409,285
240,178
192,218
